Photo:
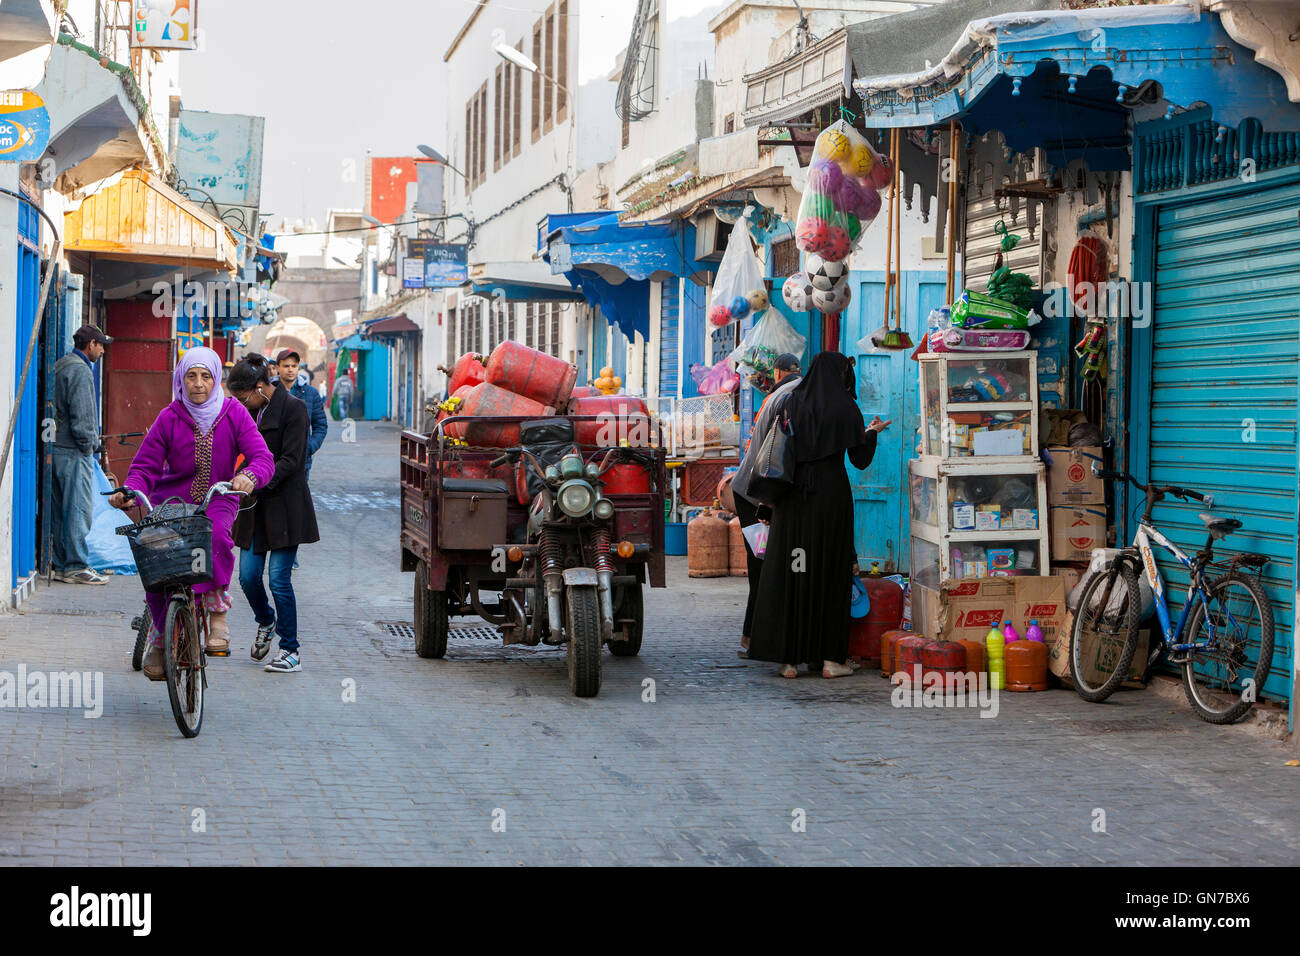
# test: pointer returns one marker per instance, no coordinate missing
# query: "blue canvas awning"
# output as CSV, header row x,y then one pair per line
x,y
1059,80
613,263
529,281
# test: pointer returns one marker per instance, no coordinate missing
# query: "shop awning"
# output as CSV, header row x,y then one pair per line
x,y
394,325
1063,79
524,281
139,218
613,264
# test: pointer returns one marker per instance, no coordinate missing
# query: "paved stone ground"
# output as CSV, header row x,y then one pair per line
x,y
710,773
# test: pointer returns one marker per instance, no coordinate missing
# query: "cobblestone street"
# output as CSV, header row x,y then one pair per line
x,y
712,772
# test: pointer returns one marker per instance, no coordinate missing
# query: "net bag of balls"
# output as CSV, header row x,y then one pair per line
x,y
738,289
843,192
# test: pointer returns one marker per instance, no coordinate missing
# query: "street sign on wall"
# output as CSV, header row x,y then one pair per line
x,y
24,126
413,264
165,24
445,265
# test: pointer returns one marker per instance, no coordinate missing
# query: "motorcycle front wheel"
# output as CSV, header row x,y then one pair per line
x,y
583,612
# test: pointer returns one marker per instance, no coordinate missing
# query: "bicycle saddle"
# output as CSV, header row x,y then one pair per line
x,y
1218,526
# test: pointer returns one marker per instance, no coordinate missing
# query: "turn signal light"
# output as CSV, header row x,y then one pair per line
x,y
625,549
515,554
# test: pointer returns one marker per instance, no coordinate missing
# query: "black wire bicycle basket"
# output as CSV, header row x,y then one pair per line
x,y
172,546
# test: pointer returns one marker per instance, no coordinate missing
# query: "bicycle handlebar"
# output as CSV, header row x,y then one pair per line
x,y
130,494
1154,490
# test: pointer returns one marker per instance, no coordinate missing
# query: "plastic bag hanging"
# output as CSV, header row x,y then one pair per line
x,y
716,380
738,289
771,337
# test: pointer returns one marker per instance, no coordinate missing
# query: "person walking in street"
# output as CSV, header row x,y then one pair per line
x,y
801,615
786,376
343,393
195,442
288,363
282,517
76,439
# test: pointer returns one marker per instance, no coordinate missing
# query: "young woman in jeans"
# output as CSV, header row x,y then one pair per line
x,y
281,517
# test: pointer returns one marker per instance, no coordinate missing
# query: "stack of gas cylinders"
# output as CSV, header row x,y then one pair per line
x,y
517,381
1013,662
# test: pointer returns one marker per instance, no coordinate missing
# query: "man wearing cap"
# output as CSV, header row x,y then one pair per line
x,y
785,374
287,362
76,439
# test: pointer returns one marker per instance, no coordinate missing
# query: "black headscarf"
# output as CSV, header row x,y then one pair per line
x,y
823,409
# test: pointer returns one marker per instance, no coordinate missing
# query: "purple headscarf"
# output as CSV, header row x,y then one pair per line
x,y
206,414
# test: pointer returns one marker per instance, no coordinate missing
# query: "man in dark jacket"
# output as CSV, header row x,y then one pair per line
x,y
288,362
76,439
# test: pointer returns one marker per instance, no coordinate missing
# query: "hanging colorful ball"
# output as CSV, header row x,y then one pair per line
x,y
758,300
832,144
832,301
855,227
719,315
824,177
837,245
811,234
881,171
870,206
797,292
819,206
739,307
862,160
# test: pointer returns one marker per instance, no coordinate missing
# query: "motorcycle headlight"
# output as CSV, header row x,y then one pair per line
x,y
571,466
603,508
576,498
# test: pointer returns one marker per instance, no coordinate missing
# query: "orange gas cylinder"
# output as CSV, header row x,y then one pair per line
x,y
468,370
708,546
885,614
627,478
941,658
889,650
907,656
532,374
622,418
738,556
455,429
486,399
974,656
1026,665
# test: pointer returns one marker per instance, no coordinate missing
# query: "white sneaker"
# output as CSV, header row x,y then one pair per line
x,y
84,576
286,662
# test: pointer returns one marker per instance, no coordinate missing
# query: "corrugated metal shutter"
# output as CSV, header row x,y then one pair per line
x,y
669,309
1223,395
982,243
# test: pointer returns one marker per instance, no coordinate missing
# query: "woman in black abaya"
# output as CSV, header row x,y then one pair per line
x,y
802,612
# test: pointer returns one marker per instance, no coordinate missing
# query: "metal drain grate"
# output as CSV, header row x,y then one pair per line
x,y
404,631
465,632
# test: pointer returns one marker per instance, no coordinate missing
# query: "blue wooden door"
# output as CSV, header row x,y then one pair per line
x,y
25,435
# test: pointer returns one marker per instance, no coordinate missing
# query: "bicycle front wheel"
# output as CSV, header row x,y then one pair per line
x,y
183,666
1104,637
1221,683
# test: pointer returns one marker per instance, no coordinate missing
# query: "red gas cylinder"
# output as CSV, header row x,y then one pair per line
x,y
1026,665
455,429
468,370
885,615
889,650
974,657
738,556
627,478
584,391
532,374
707,546
486,399
941,658
622,418
907,656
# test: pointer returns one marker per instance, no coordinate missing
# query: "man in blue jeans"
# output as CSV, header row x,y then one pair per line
x,y
76,438
287,363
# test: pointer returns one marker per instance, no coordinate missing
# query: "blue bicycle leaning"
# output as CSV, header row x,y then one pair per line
x,y
1223,639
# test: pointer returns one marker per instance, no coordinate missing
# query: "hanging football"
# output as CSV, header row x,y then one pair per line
x,y
832,301
825,272
797,292
758,300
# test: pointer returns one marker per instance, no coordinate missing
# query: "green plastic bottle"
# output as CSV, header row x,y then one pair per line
x,y
995,646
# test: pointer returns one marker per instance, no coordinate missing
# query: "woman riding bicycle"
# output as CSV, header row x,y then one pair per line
x,y
193,444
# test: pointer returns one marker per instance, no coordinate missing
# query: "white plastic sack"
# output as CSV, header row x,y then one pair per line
x,y
738,289
771,337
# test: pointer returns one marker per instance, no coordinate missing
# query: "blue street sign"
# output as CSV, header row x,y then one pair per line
x,y
24,126
446,265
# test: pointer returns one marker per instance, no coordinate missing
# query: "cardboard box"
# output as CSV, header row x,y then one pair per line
x,y
1077,532
969,608
988,520
1024,519
1058,655
1072,573
963,517
1070,480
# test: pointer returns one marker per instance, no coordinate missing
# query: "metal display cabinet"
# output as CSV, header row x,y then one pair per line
x,y
973,518
971,403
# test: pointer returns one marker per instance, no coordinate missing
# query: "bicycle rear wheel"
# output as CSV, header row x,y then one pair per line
x,y
183,665
1238,625
1104,637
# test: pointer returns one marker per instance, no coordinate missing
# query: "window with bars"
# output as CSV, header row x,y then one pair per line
x,y
537,82
553,339
497,116
476,141
561,73
452,330
548,85
482,131
516,115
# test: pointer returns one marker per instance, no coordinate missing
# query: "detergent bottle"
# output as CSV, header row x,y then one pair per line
x,y
1035,633
1010,633
995,645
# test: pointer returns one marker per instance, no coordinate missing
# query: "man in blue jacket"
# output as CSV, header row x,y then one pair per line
x,y
287,362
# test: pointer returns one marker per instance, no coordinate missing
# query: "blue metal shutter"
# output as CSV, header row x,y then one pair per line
x,y
1223,385
694,304
25,492
669,309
